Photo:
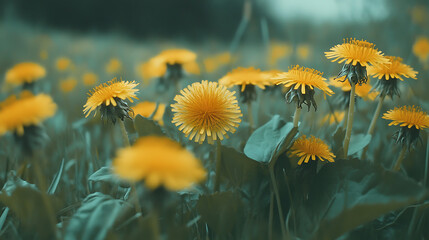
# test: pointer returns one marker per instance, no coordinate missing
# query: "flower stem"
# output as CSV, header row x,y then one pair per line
x,y
155,224
250,116
398,163
124,134
218,165
296,117
346,118
349,121
279,206
373,122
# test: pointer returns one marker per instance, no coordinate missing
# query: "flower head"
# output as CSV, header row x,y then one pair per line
x,y
159,162
213,63
63,63
146,109
278,50
303,51
363,91
206,109
396,69
245,77
89,78
421,48
306,148
17,113
177,56
332,118
68,85
113,66
354,51
110,97
26,72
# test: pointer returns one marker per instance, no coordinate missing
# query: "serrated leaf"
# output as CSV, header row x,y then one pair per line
x,y
358,142
270,140
146,127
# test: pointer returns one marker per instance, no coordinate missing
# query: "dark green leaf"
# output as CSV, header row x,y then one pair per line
x,y
14,182
358,142
54,184
106,175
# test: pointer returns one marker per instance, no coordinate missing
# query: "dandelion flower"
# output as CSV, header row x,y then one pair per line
x,y
63,63
110,98
25,73
177,56
363,91
332,118
206,109
302,82
159,162
89,79
356,55
68,85
314,148
303,51
213,63
421,48
277,51
18,113
388,75
146,109
113,66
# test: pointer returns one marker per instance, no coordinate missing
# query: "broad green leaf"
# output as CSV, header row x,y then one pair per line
x,y
14,182
358,142
221,211
270,140
349,193
106,175
145,127
94,219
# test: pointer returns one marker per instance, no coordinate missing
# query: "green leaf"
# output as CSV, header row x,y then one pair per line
x,y
358,142
349,193
270,140
145,127
14,182
337,141
56,180
94,219
106,175
221,211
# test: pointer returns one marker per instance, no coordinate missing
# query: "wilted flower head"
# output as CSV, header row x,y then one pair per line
x,y
356,55
18,113
159,162
25,73
302,82
206,109
314,148
421,48
411,119
110,98
146,109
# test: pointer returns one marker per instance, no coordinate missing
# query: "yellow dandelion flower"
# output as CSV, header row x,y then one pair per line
x,y
192,67
421,48
396,69
363,90
89,78
110,93
354,51
159,162
408,116
146,109
63,63
306,148
113,66
303,51
26,72
303,77
330,118
213,63
177,56
246,76
68,85
17,113
206,109
277,51
43,54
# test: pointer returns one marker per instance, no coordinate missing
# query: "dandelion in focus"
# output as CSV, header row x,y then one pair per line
x,y
25,74
159,162
305,148
147,109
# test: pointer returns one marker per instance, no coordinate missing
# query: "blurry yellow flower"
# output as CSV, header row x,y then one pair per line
x,y
336,117
363,90
421,48
246,76
206,109
89,78
277,51
213,63
63,63
29,109
43,54
408,116
68,84
419,14
306,148
159,162
396,69
146,109
192,67
302,77
303,51
354,51
109,93
177,56
113,66
26,72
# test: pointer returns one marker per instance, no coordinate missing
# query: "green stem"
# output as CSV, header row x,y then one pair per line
x,y
346,118
279,206
155,224
398,163
270,217
124,134
350,121
218,165
373,122
296,117
250,116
